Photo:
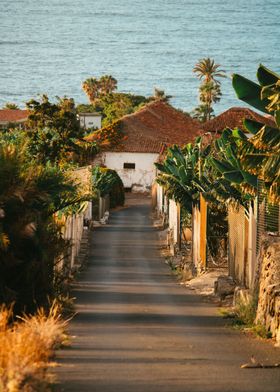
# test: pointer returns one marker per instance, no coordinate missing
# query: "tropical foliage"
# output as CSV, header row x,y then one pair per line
x,y
30,237
261,155
185,174
108,182
96,89
106,100
53,132
232,181
182,173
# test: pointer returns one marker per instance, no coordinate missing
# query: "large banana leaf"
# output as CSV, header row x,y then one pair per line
x,y
221,166
231,156
177,155
238,134
249,92
250,178
252,126
266,76
235,176
267,138
184,177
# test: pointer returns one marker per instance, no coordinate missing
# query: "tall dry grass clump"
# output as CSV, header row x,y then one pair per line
x,y
27,347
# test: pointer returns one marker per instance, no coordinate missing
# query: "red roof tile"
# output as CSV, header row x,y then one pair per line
x,y
153,126
233,118
13,115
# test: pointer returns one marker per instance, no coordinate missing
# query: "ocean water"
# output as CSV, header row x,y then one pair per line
x,y
51,46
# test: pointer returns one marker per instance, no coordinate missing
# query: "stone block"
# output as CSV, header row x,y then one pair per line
x,y
224,286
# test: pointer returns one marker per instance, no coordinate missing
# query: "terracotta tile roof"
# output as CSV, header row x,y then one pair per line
x,y
233,118
13,115
155,125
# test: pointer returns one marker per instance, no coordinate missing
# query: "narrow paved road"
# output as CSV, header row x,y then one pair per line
x,y
137,330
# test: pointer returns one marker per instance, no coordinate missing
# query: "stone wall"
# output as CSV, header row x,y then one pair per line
x,y
268,312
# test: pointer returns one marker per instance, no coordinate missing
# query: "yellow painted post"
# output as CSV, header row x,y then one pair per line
x,y
154,195
203,232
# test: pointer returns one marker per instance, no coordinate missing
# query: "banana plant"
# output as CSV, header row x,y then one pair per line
x,y
261,156
228,163
182,175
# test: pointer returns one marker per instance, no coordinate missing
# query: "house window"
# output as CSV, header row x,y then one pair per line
x,y
129,165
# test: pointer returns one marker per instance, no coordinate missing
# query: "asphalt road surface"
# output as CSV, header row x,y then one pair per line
x,y
138,330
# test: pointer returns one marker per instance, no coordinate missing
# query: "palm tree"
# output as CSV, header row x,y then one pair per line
x,y
91,88
209,71
95,88
107,84
209,93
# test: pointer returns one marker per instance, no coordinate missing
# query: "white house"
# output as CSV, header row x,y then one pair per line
x,y
90,120
146,134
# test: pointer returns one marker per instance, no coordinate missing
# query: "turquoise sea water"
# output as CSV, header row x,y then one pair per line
x,y
52,46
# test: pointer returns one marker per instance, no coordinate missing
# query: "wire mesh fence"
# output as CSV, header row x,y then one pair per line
x,y
268,216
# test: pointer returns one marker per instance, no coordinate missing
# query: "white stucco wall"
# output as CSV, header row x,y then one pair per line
x,y
141,178
173,220
159,198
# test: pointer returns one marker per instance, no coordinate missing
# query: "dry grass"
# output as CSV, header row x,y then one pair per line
x,y
27,347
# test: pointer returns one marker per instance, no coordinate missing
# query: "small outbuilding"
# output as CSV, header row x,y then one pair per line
x,y
90,120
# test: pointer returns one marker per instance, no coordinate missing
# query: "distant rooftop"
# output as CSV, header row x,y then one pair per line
x,y
90,114
13,115
233,118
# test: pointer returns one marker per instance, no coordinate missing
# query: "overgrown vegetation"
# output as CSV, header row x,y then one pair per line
x,y
53,132
26,348
261,155
243,316
108,182
30,235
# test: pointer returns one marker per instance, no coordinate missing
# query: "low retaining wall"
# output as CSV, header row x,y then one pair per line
x,y
268,312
